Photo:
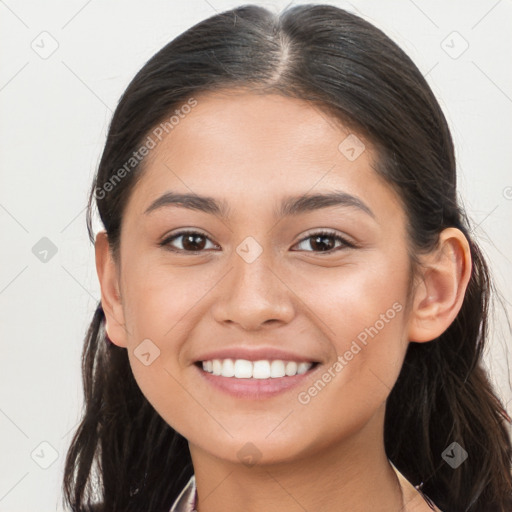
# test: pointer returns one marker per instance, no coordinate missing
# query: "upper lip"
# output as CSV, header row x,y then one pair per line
x,y
254,354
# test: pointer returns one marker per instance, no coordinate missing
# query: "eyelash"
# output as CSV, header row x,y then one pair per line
x,y
345,243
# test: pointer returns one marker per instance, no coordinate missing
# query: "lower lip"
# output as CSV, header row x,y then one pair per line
x,y
255,389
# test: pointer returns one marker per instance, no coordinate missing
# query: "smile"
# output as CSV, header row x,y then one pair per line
x,y
255,380
262,369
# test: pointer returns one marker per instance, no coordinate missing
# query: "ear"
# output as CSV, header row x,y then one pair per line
x,y
439,295
110,295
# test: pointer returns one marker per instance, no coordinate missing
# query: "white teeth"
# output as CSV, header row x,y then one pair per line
x,y
263,369
260,370
217,367
291,368
303,368
243,369
228,368
277,369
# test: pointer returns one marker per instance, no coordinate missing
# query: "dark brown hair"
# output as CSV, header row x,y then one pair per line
x,y
123,453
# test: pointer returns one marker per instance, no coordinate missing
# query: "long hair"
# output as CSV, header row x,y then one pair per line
x,y
123,454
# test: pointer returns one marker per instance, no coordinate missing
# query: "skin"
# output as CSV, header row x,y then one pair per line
x,y
252,151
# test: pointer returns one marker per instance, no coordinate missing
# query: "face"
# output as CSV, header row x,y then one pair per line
x,y
255,279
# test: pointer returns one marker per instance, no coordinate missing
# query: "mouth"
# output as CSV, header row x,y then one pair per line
x,y
255,380
262,369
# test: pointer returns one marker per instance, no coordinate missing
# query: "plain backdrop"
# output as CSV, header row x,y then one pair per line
x,y
64,67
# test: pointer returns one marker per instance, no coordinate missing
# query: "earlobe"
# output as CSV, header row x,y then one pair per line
x,y
439,296
110,294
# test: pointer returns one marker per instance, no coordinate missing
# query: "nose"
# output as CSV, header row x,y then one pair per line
x,y
254,294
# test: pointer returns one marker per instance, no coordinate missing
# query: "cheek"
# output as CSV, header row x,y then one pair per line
x,y
351,298
365,316
163,305
362,317
160,300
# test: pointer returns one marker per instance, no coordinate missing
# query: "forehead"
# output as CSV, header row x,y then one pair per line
x,y
252,149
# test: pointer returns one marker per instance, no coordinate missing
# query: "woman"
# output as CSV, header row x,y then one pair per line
x,y
293,309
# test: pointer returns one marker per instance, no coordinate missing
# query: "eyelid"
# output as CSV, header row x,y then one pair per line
x,y
331,233
165,242
346,243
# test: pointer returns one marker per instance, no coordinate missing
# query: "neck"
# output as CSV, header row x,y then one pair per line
x,y
354,475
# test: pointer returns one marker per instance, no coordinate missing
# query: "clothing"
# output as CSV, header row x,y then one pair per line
x,y
187,499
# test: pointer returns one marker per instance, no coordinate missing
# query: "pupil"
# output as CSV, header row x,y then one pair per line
x,y
190,242
322,240
321,243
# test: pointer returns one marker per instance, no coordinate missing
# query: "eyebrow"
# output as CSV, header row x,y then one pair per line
x,y
292,205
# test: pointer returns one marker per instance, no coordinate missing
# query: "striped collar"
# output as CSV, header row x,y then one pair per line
x,y
187,499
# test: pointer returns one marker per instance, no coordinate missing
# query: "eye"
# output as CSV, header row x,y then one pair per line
x,y
195,241
323,241
192,241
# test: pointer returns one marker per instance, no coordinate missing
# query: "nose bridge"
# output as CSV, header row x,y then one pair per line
x,y
253,271
253,293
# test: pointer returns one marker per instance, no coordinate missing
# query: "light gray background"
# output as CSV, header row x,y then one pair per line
x,y
54,113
